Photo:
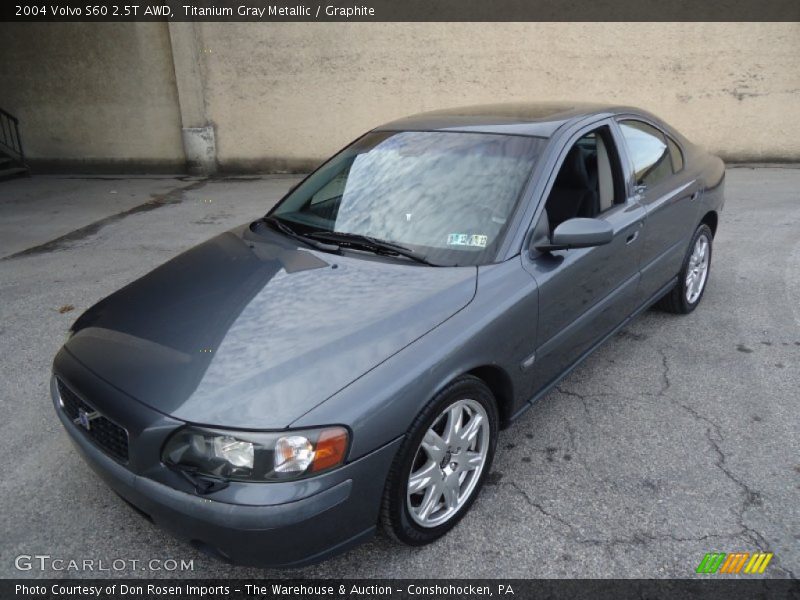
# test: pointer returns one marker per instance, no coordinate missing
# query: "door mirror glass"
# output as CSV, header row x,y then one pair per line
x,y
579,233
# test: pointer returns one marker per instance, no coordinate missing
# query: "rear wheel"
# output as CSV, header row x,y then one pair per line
x,y
442,463
688,292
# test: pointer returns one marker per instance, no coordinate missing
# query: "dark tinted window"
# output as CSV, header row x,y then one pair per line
x,y
676,154
648,150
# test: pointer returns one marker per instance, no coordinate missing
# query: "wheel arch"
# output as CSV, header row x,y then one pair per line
x,y
711,218
499,383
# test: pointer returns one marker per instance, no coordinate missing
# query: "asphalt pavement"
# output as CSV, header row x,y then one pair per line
x,y
680,436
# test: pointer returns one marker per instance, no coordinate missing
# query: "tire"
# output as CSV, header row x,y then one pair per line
x,y
403,514
679,300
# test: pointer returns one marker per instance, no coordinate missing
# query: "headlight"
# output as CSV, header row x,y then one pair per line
x,y
256,456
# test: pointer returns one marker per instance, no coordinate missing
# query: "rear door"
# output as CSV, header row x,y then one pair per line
x,y
668,194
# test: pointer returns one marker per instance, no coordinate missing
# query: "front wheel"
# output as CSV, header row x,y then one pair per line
x,y
688,292
442,463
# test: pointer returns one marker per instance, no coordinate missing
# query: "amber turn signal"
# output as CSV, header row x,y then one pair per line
x,y
330,449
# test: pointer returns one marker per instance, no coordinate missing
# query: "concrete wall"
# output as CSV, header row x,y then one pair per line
x,y
92,96
284,96
289,94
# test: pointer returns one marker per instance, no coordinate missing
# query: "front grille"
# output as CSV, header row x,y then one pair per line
x,y
112,438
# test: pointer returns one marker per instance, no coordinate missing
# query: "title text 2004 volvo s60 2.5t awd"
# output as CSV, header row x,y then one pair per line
x,y
279,392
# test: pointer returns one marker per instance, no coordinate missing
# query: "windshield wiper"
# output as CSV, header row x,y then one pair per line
x,y
370,244
276,223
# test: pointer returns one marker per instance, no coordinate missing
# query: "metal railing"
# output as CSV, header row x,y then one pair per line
x,y
9,136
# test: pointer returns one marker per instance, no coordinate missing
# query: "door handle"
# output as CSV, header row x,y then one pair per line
x,y
696,195
632,237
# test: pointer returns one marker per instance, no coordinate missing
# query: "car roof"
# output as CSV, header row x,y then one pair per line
x,y
540,119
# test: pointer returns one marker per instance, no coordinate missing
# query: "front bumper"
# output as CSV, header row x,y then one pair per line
x,y
258,524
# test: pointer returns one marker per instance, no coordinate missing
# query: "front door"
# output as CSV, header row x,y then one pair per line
x,y
585,293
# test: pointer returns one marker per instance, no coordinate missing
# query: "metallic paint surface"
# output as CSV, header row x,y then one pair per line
x,y
233,334
259,332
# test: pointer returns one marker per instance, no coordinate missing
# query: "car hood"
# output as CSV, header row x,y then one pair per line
x,y
253,331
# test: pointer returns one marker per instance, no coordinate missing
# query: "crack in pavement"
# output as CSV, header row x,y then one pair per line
x,y
666,383
571,433
665,386
572,394
642,538
752,498
713,432
639,538
714,436
535,504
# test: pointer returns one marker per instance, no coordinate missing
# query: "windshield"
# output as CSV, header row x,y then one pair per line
x,y
446,196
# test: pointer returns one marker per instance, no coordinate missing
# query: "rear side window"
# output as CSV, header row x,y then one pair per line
x,y
676,154
649,152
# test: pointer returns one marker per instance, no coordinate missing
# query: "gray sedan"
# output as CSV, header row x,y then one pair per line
x,y
278,393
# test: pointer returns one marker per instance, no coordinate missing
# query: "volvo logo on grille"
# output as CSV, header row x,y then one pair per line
x,y
85,419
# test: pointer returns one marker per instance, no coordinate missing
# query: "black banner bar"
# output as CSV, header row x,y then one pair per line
x,y
399,10
710,588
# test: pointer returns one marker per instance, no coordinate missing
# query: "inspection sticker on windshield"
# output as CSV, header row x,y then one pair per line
x,y
466,239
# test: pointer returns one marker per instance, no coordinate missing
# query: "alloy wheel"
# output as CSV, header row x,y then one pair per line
x,y
448,463
697,269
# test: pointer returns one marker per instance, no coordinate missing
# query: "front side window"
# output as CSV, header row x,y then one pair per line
x,y
588,182
446,195
648,150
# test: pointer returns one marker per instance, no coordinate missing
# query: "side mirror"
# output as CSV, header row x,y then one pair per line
x,y
578,233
